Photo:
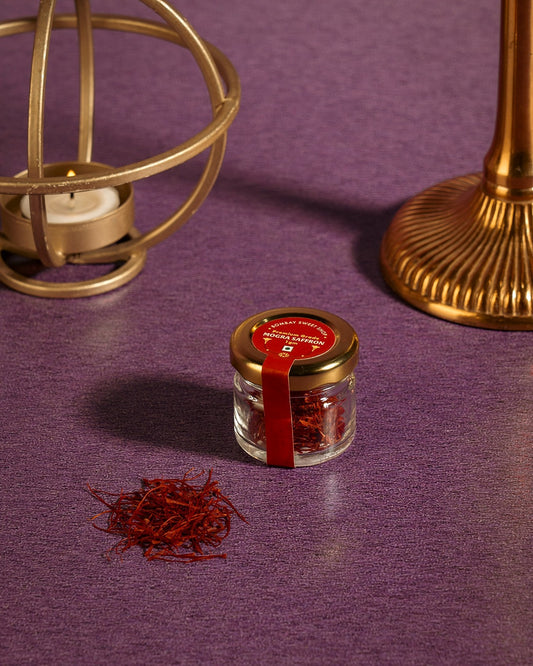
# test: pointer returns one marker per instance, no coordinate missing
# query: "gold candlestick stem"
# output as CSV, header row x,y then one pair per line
x,y
463,249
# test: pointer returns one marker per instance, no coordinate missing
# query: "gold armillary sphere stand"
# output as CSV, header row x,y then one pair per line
x,y
463,250
111,238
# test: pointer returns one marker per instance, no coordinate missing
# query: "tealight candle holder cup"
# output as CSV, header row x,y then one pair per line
x,y
69,237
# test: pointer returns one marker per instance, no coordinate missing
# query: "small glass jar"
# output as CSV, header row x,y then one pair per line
x,y
318,352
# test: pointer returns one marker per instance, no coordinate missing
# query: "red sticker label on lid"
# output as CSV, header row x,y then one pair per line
x,y
294,337
284,341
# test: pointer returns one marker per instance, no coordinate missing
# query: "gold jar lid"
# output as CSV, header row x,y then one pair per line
x,y
324,347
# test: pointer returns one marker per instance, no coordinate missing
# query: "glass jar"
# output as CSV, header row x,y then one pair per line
x,y
294,386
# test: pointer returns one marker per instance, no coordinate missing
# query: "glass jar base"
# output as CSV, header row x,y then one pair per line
x,y
300,459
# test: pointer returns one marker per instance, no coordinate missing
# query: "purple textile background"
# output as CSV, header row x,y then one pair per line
x,y
415,546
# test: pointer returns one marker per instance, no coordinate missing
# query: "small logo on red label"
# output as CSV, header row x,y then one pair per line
x,y
294,337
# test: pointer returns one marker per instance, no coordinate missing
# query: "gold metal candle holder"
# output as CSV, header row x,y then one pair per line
x,y
463,250
112,237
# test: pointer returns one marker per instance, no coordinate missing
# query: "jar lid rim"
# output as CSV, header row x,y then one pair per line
x,y
329,367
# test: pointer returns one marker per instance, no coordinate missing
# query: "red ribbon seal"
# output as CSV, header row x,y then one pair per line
x,y
285,341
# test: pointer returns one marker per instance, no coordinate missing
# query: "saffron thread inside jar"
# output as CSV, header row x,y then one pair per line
x,y
318,422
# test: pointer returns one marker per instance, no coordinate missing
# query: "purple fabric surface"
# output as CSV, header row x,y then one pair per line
x,y
413,547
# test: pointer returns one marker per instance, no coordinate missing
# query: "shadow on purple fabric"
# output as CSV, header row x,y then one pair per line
x,y
367,224
32,268
166,413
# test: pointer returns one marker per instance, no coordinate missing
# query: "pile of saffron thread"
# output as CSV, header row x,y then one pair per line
x,y
170,519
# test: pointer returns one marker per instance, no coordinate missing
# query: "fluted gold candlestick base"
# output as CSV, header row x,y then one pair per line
x,y
462,255
463,250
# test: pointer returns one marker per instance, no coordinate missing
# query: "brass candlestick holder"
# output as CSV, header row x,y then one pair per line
x,y
110,237
463,250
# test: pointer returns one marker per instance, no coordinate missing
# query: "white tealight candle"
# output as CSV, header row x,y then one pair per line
x,y
76,207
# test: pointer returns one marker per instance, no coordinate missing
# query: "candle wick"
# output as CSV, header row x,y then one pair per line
x,y
71,201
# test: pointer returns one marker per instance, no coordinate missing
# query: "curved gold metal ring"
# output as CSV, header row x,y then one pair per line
x,y
214,67
99,285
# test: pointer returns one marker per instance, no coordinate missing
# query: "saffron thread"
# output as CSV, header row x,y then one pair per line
x,y
318,422
170,519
